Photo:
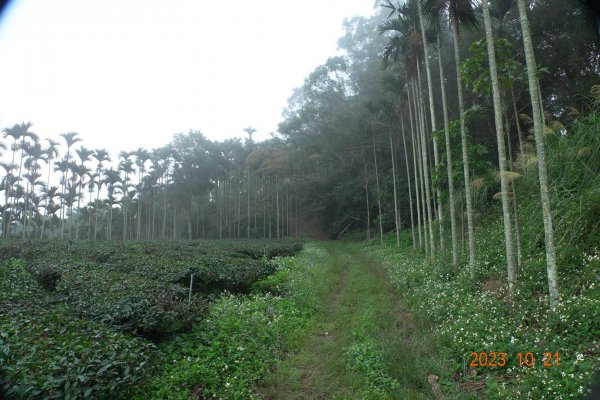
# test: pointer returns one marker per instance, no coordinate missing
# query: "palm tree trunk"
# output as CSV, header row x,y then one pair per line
x,y
89,232
410,200
450,173
110,217
264,203
464,146
78,208
277,201
436,158
25,209
49,161
396,215
164,219
377,185
418,127
425,162
415,170
19,179
554,297
504,183
7,193
367,201
97,208
62,199
248,205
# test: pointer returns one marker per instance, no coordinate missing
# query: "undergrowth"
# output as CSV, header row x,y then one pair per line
x,y
473,313
237,345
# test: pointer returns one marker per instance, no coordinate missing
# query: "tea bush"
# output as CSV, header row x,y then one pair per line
x,y
129,302
51,355
235,347
48,353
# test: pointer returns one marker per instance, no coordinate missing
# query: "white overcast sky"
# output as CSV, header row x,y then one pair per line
x,y
130,73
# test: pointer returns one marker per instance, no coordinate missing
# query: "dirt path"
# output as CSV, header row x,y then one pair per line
x,y
360,299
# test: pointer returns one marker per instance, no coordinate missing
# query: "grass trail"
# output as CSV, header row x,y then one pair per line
x,y
359,309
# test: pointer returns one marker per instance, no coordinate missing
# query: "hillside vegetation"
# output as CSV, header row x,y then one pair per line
x,y
454,144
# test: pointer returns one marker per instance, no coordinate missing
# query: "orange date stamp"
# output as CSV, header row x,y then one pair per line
x,y
501,359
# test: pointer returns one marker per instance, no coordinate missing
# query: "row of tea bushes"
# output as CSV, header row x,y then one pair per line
x,y
147,307
76,317
124,253
47,352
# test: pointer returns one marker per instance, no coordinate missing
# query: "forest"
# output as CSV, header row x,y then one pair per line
x,y
425,224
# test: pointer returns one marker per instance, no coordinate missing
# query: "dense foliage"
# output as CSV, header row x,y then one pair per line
x,y
436,117
78,320
474,313
236,346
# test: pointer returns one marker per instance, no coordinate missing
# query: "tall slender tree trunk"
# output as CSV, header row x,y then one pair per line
x,y
410,200
220,208
377,185
248,205
418,125
450,173
110,220
416,170
277,201
367,201
504,183
464,146
436,157
425,162
25,209
256,203
139,205
396,215
538,127
239,209
97,208
264,201
19,180
164,219
7,193
47,199
89,231
296,216
78,208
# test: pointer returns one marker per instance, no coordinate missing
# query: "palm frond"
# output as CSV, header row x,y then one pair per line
x,y
391,25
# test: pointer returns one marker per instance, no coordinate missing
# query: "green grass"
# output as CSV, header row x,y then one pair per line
x,y
363,342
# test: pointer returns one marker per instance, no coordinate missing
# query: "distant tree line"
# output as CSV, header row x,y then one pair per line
x,y
189,189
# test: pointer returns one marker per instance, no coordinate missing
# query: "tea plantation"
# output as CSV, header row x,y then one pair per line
x,y
102,320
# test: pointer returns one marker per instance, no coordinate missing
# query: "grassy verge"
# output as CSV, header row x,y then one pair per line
x,y
473,314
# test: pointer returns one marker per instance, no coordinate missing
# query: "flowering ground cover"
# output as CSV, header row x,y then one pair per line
x,y
548,354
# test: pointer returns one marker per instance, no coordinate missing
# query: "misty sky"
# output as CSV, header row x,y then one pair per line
x,y
126,74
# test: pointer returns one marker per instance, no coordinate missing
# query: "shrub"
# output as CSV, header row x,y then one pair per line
x,y
129,302
18,288
51,355
217,273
